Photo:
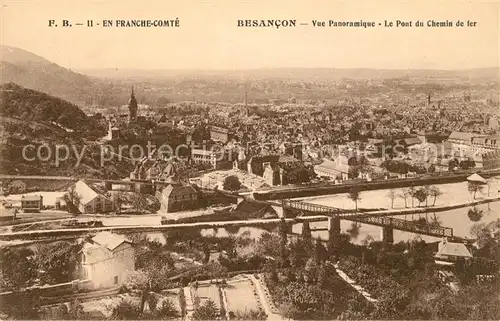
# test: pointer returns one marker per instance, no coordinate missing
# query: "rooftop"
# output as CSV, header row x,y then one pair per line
x,y
110,240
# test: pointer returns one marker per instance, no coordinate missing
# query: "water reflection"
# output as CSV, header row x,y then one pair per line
x,y
456,219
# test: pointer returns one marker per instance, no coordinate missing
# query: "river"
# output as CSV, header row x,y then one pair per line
x,y
456,219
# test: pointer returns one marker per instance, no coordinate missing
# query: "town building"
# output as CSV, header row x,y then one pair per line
x,y
178,198
329,169
219,134
486,144
257,164
462,141
113,130
449,252
208,156
335,170
273,174
31,203
92,200
107,260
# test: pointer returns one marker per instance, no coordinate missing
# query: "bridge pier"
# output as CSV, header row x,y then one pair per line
x,y
387,234
333,227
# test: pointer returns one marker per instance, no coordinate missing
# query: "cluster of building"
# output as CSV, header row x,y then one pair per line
x,y
352,140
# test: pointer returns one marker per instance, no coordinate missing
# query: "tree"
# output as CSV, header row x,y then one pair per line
x,y
355,195
298,254
311,270
435,193
392,196
404,195
322,279
139,202
18,268
353,231
283,234
474,187
320,252
266,245
306,235
167,310
298,174
73,200
467,164
56,261
421,195
338,244
452,164
232,183
206,311
288,310
475,214
119,198
412,193
15,212
248,314
435,221
126,310
76,312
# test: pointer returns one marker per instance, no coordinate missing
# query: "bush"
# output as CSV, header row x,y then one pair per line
x,y
475,214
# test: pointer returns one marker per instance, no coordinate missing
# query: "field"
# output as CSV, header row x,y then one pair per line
x,y
241,296
173,296
206,292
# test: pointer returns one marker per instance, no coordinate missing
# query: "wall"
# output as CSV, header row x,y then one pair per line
x,y
103,273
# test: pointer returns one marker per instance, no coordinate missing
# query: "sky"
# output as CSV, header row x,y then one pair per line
x,y
208,36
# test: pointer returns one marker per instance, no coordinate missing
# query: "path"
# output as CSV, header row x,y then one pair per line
x,y
264,298
352,283
189,303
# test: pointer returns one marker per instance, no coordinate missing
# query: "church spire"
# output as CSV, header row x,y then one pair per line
x,y
132,107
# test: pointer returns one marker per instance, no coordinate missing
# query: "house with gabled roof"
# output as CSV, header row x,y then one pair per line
x,y
449,252
91,199
107,260
174,198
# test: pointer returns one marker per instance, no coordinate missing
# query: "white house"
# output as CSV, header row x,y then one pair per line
x,y
91,200
107,259
449,252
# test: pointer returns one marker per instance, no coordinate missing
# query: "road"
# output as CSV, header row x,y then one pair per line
x,y
145,228
261,292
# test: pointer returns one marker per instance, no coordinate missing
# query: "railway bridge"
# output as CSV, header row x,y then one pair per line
x,y
388,224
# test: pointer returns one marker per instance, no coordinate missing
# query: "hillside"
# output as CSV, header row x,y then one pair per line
x,y
83,159
34,72
32,118
27,104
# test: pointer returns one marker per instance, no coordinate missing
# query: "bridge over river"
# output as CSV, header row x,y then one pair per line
x,y
388,224
308,213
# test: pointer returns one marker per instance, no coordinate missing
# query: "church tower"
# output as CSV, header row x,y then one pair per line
x,y
132,108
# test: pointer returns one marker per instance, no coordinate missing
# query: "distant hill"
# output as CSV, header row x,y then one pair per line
x,y
27,104
31,71
293,73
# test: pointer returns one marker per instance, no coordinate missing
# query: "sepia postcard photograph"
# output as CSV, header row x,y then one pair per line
x,y
249,160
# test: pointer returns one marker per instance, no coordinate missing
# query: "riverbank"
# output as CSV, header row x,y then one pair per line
x,y
451,195
309,190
